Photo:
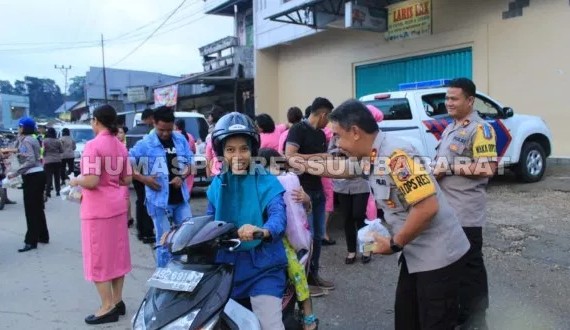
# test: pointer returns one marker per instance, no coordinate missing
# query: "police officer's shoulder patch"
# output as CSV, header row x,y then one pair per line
x,y
412,180
484,141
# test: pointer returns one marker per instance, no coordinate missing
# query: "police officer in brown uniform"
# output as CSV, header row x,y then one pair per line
x,y
465,160
423,225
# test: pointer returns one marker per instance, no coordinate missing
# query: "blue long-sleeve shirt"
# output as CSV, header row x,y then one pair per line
x,y
276,217
260,271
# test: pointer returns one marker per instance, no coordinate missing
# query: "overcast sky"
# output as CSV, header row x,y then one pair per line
x,y
36,34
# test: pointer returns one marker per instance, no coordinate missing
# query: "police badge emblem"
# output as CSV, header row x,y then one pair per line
x,y
399,166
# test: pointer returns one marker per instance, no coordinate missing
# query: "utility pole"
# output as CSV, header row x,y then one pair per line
x,y
63,69
104,72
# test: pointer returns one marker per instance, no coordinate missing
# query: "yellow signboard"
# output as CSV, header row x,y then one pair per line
x,y
409,19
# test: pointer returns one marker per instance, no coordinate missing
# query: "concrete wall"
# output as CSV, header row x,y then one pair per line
x,y
522,62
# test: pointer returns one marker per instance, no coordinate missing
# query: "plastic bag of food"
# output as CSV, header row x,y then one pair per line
x,y
366,234
71,194
11,183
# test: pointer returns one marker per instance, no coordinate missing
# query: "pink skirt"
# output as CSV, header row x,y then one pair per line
x,y
105,247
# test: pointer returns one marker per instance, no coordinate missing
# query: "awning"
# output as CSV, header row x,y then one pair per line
x,y
306,13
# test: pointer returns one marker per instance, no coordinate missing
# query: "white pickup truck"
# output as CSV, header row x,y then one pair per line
x,y
419,115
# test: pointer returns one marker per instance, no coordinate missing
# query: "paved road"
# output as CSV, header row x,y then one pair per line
x,y
527,245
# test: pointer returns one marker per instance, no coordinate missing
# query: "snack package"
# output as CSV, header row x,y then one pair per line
x,y
365,234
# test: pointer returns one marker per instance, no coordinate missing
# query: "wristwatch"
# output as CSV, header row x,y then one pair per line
x,y
395,247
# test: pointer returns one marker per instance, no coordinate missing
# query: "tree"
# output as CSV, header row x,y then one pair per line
x,y
77,88
20,87
45,96
6,87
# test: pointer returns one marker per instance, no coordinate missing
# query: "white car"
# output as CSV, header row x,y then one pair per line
x,y
80,133
417,113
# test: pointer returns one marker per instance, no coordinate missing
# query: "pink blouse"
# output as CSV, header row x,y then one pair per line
x,y
271,140
106,157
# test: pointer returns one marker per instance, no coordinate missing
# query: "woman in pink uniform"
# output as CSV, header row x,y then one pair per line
x,y
329,196
105,168
269,133
122,136
180,126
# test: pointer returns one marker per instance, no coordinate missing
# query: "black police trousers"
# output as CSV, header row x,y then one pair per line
x,y
428,300
145,226
473,287
33,189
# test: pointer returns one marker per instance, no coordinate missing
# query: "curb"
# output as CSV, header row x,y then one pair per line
x,y
558,161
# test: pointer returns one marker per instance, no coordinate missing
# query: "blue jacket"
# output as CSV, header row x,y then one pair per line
x,y
149,157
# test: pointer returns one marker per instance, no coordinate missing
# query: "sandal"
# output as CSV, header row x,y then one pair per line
x,y
309,321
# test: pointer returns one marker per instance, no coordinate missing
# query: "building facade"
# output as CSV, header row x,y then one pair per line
x,y
515,51
12,108
127,90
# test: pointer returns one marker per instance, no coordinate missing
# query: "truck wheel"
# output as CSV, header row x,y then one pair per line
x,y
532,164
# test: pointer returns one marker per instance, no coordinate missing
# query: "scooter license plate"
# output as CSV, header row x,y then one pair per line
x,y
175,279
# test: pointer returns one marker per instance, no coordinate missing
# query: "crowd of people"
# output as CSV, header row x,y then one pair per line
x,y
435,218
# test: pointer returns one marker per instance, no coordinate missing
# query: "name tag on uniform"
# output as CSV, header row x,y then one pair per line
x,y
379,187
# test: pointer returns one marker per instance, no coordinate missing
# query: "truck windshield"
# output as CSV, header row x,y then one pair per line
x,y
393,109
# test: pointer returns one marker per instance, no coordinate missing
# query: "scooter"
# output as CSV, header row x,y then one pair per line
x,y
193,292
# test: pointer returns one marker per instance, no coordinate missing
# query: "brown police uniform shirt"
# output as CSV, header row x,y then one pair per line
x,y
469,140
397,183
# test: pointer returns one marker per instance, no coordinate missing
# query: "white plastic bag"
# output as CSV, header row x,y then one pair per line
x,y
71,194
366,234
11,183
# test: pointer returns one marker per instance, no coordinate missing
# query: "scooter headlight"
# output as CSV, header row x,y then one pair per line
x,y
138,319
183,322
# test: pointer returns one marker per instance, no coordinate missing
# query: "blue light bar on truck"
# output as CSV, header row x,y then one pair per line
x,y
424,84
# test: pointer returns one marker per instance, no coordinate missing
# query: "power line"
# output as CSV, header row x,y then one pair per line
x,y
113,42
93,43
150,36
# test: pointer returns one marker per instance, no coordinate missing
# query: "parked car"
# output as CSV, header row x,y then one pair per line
x,y
417,113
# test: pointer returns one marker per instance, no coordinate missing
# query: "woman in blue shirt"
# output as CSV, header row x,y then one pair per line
x,y
244,194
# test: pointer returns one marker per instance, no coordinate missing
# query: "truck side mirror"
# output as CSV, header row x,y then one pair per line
x,y
509,112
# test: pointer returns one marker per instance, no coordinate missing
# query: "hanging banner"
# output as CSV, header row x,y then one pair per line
x,y
364,17
136,94
166,96
409,19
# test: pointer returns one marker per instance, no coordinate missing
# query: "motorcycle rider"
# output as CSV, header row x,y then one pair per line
x,y
259,264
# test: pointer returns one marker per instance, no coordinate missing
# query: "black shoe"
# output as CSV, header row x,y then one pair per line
x,y
111,316
349,260
366,259
131,222
57,193
121,308
27,248
9,202
328,242
45,241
